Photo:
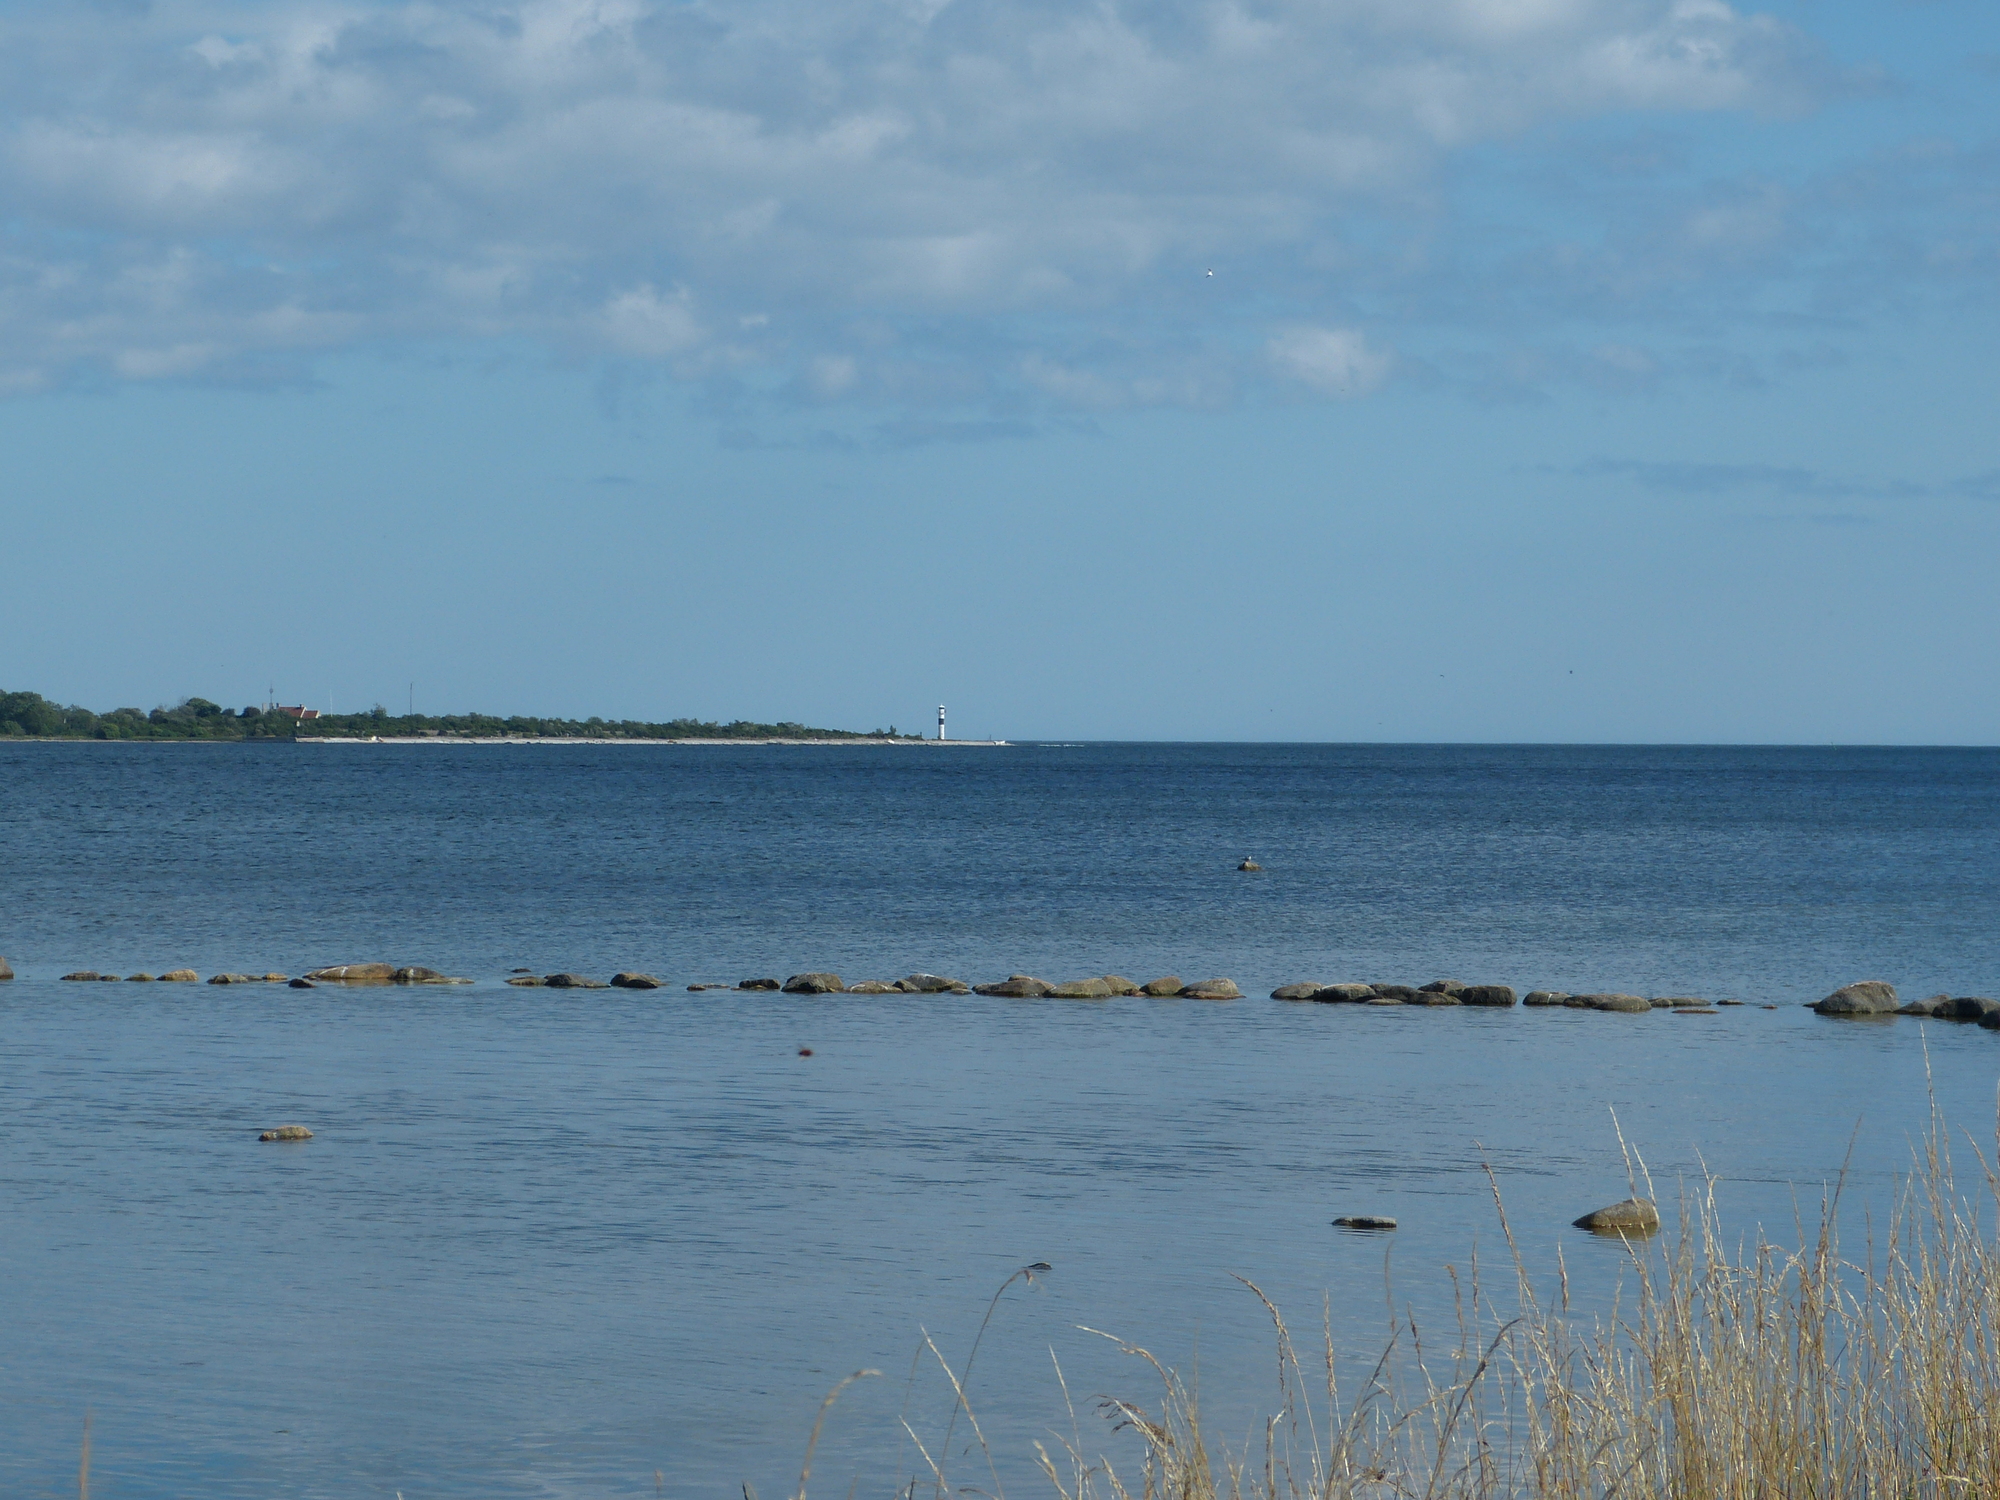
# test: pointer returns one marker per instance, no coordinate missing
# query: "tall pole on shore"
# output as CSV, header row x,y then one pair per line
x,y
940,723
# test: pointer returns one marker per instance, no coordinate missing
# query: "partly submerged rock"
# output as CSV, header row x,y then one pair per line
x,y
874,987
86,975
758,984
1545,997
1163,988
1017,987
277,978
1990,1021
1635,1216
932,984
287,1133
1120,985
573,982
814,984
1968,1008
179,976
1249,864
232,979
107,979
1928,1007
1082,989
416,974
1365,1221
303,984
1868,997
354,973
140,978
633,981
527,981
1442,987
1696,1010
1677,1002
1385,1000
1343,994
1212,989
1434,997
6,971
1304,991
1626,1004
1487,994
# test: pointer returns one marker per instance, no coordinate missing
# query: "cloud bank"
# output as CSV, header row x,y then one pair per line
x,y
907,201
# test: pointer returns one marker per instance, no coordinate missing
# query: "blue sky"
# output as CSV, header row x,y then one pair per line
x,y
1569,370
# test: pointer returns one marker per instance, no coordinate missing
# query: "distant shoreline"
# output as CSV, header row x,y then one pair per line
x,y
502,739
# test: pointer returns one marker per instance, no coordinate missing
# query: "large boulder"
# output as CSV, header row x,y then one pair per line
x,y
355,973
1487,994
814,984
1868,997
1545,997
1017,987
1162,988
1120,985
1212,989
1403,992
1344,994
1635,1216
416,974
931,984
1304,991
758,984
179,976
632,981
1625,1004
573,982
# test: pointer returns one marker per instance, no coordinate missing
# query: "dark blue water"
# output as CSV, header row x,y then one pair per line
x,y
549,1243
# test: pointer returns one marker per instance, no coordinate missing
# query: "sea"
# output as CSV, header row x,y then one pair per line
x,y
598,1243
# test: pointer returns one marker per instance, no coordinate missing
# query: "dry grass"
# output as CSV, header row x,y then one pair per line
x,y
1757,1373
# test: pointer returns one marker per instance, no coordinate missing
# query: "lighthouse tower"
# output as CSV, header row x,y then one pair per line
x,y
940,723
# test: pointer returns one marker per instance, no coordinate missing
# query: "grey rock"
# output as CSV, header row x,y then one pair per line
x,y
1442,987
107,979
1365,1221
1434,997
231,979
1212,989
1082,989
1249,864
355,973
876,987
1635,1216
527,981
1344,994
287,1133
1017,987
1990,1021
1696,1010
930,984
1729,1002
634,981
1968,1008
1659,1002
85,975
1296,991
1385,1000
1397,991
1929,1007
179,976
1162,988
415,974
1487,994
1120,985
140,978
1545,997
6,971
758,984
277,978
1626,1004
573,982
814,984
1869,997
303,984
1678,1002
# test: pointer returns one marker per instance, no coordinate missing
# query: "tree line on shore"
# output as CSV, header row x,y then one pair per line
x,y
33,716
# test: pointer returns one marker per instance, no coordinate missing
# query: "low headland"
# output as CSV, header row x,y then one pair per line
x,y
31,716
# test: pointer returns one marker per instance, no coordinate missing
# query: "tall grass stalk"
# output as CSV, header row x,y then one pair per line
x,y
1754,1373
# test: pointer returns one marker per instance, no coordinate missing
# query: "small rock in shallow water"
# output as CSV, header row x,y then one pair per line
x,y
1990,1021
355,973
1487,994
1729,1002
1385,1000
527,981
6,971
287,1133
634,981
1082,989
1434,997
930,984
138,978
107,979
874,987
1212,989
758,984
83,974
231,979
1343,994
1017,987
1249,864
1633,1216
303,984
1695,1010
415,974
1627,1004
277,979
179,976
1120,985
573,982
1365,1221
1967,1008
1163,988
1397,991
1545,997
1677,1002
1442,987
1870,997
1303,991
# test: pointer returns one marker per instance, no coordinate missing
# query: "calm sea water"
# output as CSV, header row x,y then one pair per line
x,y
551,1243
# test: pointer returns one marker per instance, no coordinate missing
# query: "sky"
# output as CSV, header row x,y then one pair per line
x,y
1455,370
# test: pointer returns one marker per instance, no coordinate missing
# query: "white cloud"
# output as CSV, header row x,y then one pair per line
x,y
1333,361
590,172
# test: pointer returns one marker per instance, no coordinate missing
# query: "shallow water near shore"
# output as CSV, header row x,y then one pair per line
x,y
548,1243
